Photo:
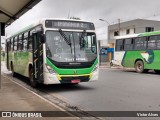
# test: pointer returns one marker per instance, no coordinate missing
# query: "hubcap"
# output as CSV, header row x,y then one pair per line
x,y
139,67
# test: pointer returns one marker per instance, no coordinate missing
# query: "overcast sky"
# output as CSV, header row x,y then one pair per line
x,y
90,10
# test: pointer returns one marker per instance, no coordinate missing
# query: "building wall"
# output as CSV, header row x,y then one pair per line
x,y
135,26
122,32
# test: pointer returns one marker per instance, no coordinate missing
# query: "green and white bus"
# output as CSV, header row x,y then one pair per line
x,y
139,51
53,51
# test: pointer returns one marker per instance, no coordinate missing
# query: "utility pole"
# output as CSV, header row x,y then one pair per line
x,y
108,23
119,24
69,14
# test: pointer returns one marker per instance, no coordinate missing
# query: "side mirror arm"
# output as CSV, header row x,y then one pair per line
x,y
43,38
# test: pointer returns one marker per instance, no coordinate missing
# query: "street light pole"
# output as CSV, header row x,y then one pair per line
x,y
105,21
107,24
119,26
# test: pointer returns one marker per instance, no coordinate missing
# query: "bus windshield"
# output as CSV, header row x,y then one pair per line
x,y
82,47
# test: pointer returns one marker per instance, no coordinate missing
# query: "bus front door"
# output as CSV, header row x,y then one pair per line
x,y
37,57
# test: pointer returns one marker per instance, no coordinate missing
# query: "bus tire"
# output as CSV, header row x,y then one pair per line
x,y
139,66
111,64
33,82
157,71
12,69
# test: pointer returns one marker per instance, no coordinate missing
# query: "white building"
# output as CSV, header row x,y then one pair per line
x,y
131,27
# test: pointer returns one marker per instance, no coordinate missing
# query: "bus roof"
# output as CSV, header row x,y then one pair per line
x,y
126,36
139,35
149,33
26,28
41,21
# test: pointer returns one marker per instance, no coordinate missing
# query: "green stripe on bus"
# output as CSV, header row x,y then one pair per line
x,y
149,33
79,71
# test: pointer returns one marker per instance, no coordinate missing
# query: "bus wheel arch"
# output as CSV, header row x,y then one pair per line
x,y
139,66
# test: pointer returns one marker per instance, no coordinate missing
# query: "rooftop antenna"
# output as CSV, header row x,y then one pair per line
x,y
69,14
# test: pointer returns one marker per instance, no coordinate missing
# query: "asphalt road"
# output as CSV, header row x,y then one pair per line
x,y
116,90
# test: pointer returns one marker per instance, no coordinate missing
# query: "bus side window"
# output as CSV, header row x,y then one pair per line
x,y
8,44
119,45
128,44
30,39
15,43
30,43
158,42
20,45
25,41
11,44
140,43
152,42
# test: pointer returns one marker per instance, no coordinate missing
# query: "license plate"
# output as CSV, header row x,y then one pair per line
x,y
75,81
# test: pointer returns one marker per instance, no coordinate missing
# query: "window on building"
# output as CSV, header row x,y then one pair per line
x,y
149,29
128,31
140,43
134,30
116,33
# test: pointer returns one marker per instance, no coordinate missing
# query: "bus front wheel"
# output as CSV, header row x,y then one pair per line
x,y
33,82
140,67
12,69
157,71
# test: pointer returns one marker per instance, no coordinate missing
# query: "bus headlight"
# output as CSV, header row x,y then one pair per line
x,y
95,68
51,71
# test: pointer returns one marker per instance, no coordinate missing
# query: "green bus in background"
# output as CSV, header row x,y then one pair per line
x,y
139,51
53,51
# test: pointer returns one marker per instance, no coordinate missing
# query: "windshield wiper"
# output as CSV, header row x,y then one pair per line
x,y
68,41
81,42
65,37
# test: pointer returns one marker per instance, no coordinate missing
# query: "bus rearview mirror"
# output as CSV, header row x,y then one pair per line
x,y
43,38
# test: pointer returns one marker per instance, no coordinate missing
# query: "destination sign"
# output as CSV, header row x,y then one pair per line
x,y
63,24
